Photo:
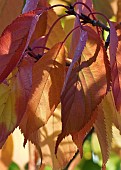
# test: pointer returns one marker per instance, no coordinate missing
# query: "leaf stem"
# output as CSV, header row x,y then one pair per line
x,y
81,3
58,5
98,23
46,48
70,33
55,24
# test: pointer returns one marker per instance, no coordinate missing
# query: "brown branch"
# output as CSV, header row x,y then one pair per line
x,y
86,19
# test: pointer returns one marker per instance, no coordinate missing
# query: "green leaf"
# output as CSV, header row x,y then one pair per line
x,y
13,166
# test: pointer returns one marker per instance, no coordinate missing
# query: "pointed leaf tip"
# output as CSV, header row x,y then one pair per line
x,y
85,88
14,41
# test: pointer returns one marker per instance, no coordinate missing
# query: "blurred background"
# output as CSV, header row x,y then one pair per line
x,y
13,156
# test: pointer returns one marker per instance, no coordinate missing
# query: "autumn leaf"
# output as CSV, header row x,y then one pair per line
x,y
47,82
68,21
78,52
9,10
75,38
114,51
30,5
7,152
119,11
45,140
13,100
85,88
103,126
82,8
41,25
105,8
115,114
54,36
14,41
47,27
40,29
77,32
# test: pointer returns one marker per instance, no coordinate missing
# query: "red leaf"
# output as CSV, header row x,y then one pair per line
x,y
113,44
85,88
116,87
14,40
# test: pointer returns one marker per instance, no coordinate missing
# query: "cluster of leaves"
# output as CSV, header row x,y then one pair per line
x,y
39,73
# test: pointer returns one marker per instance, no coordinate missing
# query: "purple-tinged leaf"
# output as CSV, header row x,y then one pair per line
x,y
113,44
103,126
84,90
35,45
30,5
78,52
32,27
82,8
113,62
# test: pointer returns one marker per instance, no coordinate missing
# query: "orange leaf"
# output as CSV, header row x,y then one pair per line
x,y
119,11
40,27
9,10
57,33
7,151
45,139
48,78
103,126
45,27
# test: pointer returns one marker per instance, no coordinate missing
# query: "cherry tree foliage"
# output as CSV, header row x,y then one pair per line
x,y
55,94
